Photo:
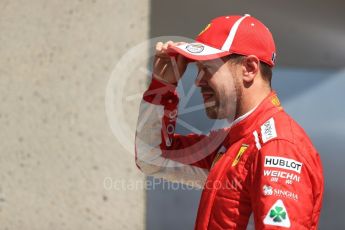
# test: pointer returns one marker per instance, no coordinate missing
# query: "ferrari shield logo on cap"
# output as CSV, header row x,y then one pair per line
x,y
206,28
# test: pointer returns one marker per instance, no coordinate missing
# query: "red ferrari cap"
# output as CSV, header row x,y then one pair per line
x,y
244,35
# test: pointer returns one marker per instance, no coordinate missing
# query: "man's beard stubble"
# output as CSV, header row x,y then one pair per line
x,y
239,94
218,110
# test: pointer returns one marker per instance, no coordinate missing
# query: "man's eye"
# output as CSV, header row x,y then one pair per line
x,y
208,69
205,69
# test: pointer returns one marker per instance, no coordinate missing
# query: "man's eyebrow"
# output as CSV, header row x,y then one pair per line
x,y
199,65
202,64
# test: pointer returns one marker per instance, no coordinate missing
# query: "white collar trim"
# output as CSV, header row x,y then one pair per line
x,y
244,116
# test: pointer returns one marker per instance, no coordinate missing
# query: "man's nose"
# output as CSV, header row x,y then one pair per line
x,y
200,80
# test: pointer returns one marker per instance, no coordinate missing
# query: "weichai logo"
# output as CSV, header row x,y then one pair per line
x,y
283,163
280,174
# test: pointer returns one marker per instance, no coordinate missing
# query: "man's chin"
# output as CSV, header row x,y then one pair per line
x,y
212,113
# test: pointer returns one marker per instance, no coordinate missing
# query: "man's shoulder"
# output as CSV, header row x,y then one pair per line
x,y
282,128
290,130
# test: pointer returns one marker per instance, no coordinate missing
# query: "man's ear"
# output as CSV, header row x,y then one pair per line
x,y
250,68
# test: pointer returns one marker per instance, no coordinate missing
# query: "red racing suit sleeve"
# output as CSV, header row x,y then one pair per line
x,y
162,153
287,186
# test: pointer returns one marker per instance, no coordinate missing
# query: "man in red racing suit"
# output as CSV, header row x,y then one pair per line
x,y
264,164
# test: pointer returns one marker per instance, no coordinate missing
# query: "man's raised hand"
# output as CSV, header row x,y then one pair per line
x,y
166,67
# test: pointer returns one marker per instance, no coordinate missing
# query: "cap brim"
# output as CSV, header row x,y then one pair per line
x,y
197,51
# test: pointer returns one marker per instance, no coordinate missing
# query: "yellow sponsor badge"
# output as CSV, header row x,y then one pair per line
x,y
218,156
239,154
206,28
220,153
275,101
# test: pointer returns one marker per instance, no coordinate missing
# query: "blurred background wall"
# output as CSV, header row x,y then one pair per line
x,y
56,146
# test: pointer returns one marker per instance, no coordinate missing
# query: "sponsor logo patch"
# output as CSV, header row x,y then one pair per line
x,y
275,101
283,175
274,56
269,191
268,130
283,163
195,47
206,28
220,153
170,128
239,155
278,215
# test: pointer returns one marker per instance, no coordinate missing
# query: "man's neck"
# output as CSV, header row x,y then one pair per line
x,y
251,99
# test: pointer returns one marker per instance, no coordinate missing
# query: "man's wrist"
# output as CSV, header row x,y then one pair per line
x,y
164,81
161,92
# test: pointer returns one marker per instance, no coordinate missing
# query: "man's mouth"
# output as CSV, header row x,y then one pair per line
x,y
207,94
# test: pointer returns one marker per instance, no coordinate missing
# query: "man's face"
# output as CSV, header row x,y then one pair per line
x,y
220,87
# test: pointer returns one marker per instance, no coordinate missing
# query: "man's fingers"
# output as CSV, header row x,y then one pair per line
x,y
167,44
179,43
169,68
159,47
